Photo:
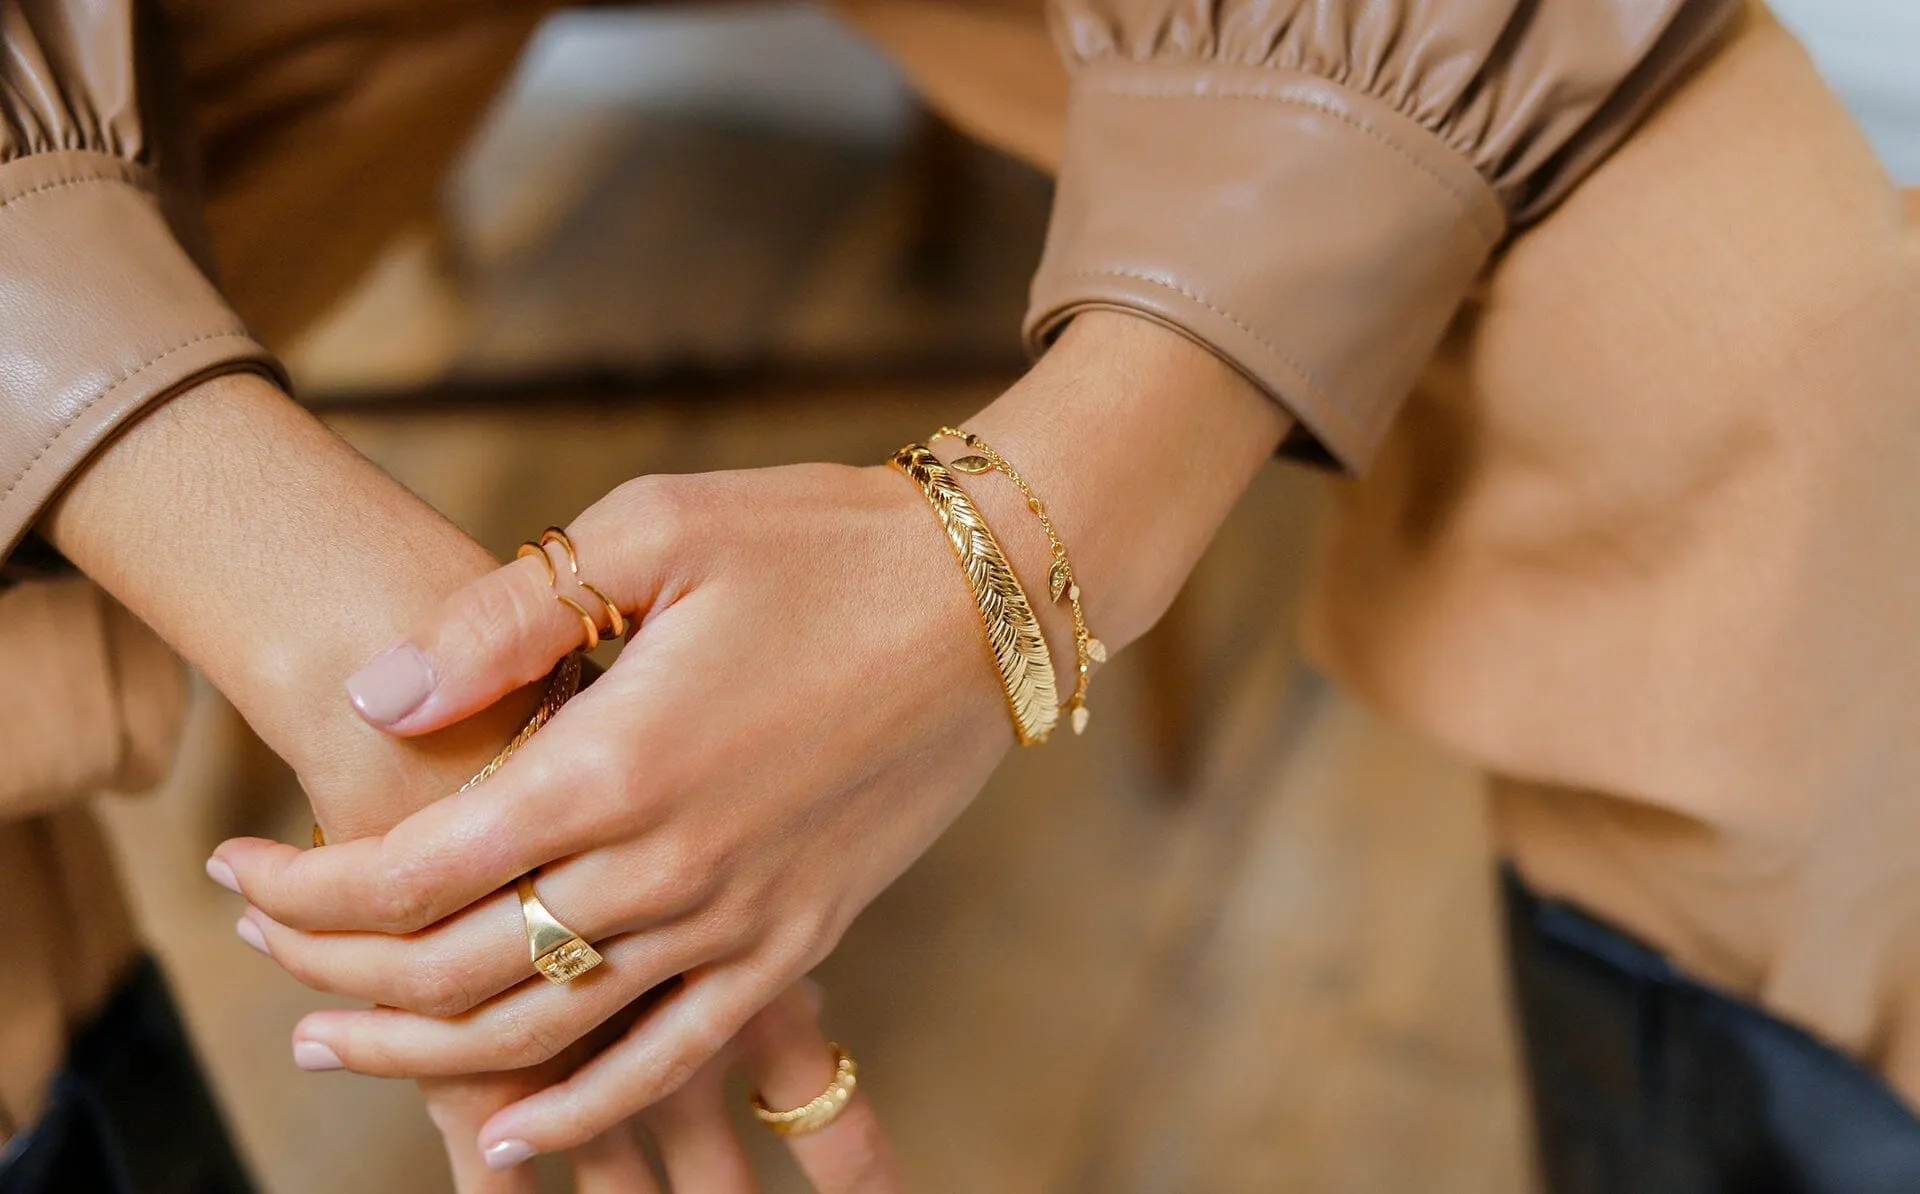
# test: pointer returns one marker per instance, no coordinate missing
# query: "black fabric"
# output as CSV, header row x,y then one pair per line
x,y
130,1113
1645,1081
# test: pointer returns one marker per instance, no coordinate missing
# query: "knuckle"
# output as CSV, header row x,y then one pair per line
x,y
820,933
671,508
681,879
496,611
400,901
527,1040
678,1072
434,988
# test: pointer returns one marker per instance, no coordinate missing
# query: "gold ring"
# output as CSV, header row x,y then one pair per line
x,y
822,1109
558,952
616,621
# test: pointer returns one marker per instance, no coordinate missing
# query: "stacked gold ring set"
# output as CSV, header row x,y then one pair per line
x,y
1018,647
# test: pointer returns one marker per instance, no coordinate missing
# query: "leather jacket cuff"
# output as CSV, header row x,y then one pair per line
x,y
102,314
1307,233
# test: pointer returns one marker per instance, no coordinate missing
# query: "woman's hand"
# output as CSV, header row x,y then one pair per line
x,y
783,1056
806,703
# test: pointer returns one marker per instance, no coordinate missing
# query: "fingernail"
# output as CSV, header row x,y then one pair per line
x,y
312,1055
392,686
222,874
251,934
506,1154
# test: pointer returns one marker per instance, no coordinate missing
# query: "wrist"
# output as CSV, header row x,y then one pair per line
x,y
1139,442
277,560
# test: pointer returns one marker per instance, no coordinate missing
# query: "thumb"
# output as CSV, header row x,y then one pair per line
x,y
497,633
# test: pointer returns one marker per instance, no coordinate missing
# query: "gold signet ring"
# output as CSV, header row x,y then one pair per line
x,y
558,952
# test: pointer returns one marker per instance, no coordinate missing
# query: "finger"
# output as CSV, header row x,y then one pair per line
x,y
457,1109
509,627
610,1163
656,1057
455,965
529,1024
566,791
697,1146
788,1062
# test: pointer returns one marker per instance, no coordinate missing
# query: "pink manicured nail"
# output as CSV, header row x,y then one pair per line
x,y
392,686
222,874
251,934
312,1055
506,1154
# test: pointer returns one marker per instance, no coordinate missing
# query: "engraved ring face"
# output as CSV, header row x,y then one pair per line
x,y
558,952
571,960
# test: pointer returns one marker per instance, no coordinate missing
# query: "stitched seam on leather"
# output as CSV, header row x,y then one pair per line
x,y
102,396
1465,202
1328,410
74,181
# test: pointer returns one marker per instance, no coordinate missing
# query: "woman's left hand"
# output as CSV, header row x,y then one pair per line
x,y
805,704
783,1057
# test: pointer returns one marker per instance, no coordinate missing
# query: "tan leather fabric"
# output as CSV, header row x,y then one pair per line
x,y
102,311
1311,188
987,65
1648,529
328,125
69,940
89,700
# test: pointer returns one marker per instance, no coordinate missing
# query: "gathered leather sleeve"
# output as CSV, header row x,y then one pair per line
x,y
1310,187
103,309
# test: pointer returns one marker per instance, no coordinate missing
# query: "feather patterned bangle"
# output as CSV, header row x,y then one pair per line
x,y
1061,582
1013,633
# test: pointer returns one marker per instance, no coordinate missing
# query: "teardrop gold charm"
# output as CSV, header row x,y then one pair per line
x,y
1080,718
1057,579
973,466
1096,650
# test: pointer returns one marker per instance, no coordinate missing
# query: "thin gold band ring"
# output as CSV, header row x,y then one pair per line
x,y
616,621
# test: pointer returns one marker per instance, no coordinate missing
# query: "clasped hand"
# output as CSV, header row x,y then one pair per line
x,y
802,707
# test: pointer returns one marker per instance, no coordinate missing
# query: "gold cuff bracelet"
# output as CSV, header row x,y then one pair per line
x,y
1013,634
1061,583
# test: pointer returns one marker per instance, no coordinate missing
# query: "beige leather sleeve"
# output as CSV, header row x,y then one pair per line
x,y
103,311
1310,187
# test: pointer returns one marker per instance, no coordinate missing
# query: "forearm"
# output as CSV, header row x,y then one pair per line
x,y
1139,441
277,561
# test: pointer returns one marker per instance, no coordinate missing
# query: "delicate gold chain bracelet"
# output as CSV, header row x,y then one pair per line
x,y
1013,633
1060,578
560,690
566,683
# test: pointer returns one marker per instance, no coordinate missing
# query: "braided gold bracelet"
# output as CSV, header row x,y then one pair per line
x,y
560,690
1060,578
1013,634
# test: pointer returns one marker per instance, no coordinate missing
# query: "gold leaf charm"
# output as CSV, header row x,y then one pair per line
x,y
973,466
1057,579
1096,650
1080,718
